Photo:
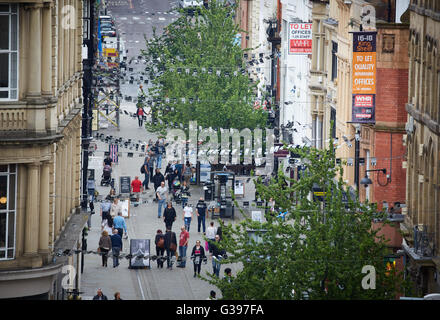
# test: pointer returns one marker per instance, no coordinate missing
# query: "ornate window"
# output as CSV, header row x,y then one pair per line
x,y
8,206
8,52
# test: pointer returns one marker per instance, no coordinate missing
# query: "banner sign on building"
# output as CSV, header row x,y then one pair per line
x,y
364,77
300,38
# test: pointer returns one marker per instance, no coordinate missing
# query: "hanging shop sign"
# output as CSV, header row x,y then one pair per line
x,y
300,38
364,77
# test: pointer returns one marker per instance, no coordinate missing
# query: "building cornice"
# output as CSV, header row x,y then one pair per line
x,y
23,274
423,118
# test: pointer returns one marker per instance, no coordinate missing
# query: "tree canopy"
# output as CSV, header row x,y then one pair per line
x,y
318,251
198,73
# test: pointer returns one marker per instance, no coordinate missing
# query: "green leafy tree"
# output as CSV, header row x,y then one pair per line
x,y
183,62
318,250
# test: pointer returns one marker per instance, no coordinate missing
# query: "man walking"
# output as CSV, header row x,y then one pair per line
x,y
183,245
217,256
162,195
136,187
146,171
157,180
105,212
201,214
100,295
119,224
170,246
151,161
169,216
116,247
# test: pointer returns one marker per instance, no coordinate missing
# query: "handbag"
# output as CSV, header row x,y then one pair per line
x,y
173,246
161,243
143,169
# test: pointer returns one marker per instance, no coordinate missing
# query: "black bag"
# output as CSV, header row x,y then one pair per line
x,y
143,169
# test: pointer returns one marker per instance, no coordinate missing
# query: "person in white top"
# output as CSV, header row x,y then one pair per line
x,y
211,231
187,216
115,208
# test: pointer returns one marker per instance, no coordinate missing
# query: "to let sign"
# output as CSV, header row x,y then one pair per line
x,y
300,38
364,77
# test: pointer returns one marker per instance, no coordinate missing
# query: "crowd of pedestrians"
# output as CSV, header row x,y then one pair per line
x,y
174,182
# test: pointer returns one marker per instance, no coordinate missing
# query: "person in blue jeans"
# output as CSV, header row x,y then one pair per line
x,y
201,208
161,193
187,215
183,245
116,247
217,255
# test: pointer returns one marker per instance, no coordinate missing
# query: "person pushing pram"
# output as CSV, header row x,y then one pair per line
x,y
106,175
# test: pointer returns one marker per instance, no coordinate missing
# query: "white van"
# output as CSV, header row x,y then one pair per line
x,y
190,3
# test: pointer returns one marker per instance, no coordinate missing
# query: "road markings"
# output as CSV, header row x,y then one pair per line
x,y
162,19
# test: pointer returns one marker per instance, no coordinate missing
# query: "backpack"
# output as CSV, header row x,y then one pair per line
x,y
161,243
143,168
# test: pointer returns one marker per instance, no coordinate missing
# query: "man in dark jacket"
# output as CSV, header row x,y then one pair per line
x,y
100,295
170,246
169,216
201,214
157,180
217,255
116,247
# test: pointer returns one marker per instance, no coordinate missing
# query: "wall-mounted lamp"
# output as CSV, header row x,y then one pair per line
x,y
367,181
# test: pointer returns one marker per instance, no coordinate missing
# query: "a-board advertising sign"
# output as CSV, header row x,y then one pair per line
x,y
140,251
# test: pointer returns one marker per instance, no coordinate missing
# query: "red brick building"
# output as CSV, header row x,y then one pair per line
x,y
382,144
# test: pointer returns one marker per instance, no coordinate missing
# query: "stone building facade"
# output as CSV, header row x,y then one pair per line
x,y
422,223
40,140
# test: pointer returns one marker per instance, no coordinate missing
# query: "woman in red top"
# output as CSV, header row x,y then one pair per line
x,y
140,115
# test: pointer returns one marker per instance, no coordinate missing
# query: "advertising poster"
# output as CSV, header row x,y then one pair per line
x,y
140,250
364,77
300,38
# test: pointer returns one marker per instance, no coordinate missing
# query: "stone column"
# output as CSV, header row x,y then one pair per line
x,y
46,61
32,210
43,244
69,173
66,50
72,42
63,174
34,62
58,181
60,52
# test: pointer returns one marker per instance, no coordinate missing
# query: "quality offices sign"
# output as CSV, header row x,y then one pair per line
x,y
364,77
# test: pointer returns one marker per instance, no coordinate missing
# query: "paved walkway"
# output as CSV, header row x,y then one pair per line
x,y
140,284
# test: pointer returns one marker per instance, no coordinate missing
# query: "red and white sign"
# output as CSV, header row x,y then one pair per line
x,y
300,38
362,100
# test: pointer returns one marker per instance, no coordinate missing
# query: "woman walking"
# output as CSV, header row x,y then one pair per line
x,y
198,255
105,243
160,247
184,191
187,172
140,115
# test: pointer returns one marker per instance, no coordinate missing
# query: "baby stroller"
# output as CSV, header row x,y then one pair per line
x,y
176,192
106,176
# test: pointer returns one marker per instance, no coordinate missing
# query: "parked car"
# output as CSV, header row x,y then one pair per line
x,y
108,32
107,19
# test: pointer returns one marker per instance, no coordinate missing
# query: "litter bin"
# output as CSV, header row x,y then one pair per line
x,y
207,186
